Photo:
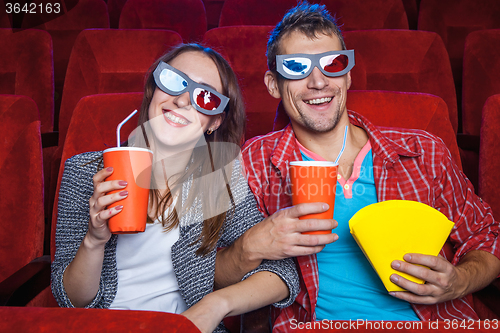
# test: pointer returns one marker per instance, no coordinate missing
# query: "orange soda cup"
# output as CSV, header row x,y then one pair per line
x,y
314,181
132,165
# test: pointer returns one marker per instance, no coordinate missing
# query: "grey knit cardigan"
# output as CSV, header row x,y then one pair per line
x,y
195,274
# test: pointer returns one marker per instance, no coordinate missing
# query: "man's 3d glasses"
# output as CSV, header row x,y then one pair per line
x,y
300,65
174,82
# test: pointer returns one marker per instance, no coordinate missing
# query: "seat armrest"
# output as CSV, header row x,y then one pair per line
x,y
22,286
490,296
257,321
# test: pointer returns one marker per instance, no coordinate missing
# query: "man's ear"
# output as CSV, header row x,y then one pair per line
x,y
349,80
272,84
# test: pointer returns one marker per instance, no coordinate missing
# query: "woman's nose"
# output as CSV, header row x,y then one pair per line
x,y
182,100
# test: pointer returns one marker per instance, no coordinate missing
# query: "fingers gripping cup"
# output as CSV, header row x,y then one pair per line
x,y
314,181
134,166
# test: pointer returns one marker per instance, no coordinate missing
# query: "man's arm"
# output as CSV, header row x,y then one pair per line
x,y
476,261
444,281
277,237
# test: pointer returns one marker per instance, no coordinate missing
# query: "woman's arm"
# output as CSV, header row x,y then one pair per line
x,y
277,237
81,278
262,288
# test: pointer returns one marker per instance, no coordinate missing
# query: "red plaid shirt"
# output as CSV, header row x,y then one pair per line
x,y
408,165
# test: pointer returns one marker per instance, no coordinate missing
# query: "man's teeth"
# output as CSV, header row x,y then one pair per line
x,y
319,100
175,119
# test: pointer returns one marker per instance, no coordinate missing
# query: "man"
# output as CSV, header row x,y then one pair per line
x,y
338,283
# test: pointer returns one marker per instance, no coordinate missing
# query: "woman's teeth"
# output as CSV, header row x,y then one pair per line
x,y
319,100
175,119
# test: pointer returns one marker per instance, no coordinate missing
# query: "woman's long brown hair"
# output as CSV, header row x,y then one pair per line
x,y
205,158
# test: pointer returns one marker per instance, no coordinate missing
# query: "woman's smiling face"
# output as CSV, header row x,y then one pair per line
x,y
175,122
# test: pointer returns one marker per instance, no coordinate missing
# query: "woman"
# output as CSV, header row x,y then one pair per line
x,y
191,113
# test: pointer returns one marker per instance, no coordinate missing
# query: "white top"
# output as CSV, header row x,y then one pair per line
x,y
146,278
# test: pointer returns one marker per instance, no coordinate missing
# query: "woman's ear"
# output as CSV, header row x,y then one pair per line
x,y
216,123
271,82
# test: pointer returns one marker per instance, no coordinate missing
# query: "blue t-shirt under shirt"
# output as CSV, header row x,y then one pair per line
x,y
349,288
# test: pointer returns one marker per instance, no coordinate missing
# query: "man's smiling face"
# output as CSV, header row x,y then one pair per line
x,y
317,102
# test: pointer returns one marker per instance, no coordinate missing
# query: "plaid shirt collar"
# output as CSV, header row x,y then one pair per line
x,y
287,149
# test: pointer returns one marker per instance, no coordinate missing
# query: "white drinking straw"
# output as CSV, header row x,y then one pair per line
x,y
120,127
343,146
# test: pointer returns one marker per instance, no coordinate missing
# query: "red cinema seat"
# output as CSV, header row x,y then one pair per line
x,y
481,76
110,61
106,61
77,320
481,72
397,109
29,71
489,181
453,20
245,49
489,159
92,128
403,60
351,14
64,25
187,17
21,206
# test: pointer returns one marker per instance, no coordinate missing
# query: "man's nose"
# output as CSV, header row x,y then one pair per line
x,y
316,80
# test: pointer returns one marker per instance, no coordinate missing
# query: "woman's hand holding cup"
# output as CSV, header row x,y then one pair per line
x,y
99,232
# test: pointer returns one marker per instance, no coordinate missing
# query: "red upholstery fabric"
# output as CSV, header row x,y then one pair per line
x,y
397,109
98,115
77,320
114,10
351,14
403,60
481,76
26,69
21,206
489,158
245,49
453,20
187,17
110,61
65,27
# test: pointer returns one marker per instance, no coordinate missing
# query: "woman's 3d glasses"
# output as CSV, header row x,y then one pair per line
x,y
174,82
298,66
